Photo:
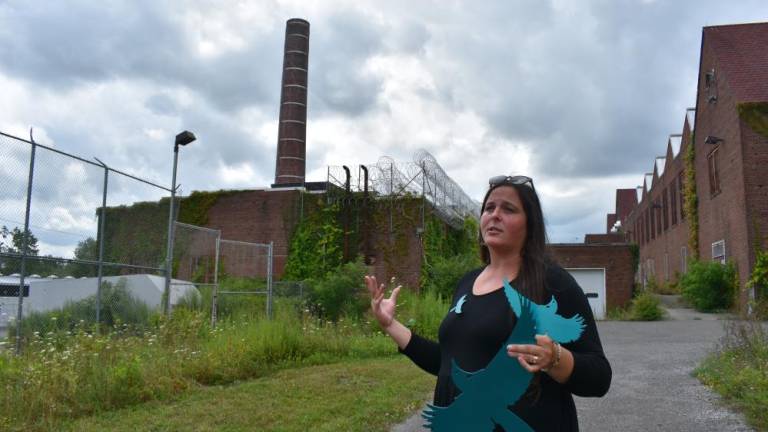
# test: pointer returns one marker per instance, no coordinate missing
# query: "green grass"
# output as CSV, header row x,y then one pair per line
x,y
69,374
739,371
360,395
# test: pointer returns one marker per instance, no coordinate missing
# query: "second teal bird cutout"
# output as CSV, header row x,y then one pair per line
x,y
459,303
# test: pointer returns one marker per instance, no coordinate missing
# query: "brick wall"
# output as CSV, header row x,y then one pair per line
x,y
756,188
615,258
664,253
721,215
259,216
262,216
604,238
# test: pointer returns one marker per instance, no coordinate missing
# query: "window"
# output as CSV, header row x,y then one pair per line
x,y
666,266
683,260
710,85
657,205
714,175
673,201
665,209
653,222
682,195
718,251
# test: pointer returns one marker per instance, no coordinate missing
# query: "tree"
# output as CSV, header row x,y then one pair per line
x,y
11,265
87,250
18,241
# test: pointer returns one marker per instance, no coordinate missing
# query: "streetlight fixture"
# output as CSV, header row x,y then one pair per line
x,y
182,139
712,140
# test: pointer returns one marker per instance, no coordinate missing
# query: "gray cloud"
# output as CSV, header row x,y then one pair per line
x,y
66,45
591,89
339,49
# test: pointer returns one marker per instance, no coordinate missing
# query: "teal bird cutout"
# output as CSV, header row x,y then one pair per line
x,y
459,303
486,393
562,330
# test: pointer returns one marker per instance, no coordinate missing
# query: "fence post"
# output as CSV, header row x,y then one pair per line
x,y
215,295
391,198
25,246
102,217
269,280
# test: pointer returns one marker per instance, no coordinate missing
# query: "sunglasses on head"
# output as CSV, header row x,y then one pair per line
x,y
510,180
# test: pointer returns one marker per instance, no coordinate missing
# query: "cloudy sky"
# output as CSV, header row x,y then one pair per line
x,y
579,95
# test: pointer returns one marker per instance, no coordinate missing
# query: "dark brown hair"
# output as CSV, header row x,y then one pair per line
x,y
535,253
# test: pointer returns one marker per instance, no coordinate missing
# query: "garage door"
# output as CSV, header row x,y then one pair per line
x,y
592,281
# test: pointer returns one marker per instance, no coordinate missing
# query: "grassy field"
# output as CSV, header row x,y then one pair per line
x,y
359,395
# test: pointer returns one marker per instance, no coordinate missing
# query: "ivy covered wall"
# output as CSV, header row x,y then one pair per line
x,y
399,237
755,114
138,234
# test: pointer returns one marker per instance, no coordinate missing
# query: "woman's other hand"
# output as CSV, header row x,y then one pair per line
x,y
546,356
383,308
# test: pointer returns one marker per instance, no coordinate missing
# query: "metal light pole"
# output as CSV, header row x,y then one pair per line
x,y
182,139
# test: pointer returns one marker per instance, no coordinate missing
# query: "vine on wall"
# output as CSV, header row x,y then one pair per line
x,y
448,254
691,200
194,209
138,234
317,243
755,114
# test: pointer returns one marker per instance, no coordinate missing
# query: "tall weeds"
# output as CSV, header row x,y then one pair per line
x,y
80,372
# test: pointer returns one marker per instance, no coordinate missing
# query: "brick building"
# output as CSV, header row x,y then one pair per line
x,y
728,131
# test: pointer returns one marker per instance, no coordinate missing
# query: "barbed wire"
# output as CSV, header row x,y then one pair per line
x,y
421,177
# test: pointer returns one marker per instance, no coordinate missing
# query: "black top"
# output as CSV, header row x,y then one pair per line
x,y
475,335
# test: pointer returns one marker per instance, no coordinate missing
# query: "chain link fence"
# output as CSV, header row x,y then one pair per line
x,y
62,253
234,277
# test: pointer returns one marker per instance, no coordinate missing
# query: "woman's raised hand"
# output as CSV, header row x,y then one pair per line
x,y
383,308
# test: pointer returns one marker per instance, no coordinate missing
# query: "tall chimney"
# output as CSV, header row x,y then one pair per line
x,y
292,130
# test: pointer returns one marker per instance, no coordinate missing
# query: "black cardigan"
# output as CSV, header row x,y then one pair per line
x,y
473,337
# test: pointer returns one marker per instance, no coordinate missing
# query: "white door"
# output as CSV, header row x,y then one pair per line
x,y
592,282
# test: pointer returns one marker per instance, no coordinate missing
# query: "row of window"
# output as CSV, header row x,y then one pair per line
x,y
648,268
665,209
663,213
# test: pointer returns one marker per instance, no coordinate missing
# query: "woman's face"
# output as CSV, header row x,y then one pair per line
x,y
503,221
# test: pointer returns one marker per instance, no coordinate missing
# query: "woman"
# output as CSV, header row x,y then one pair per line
x,y
513,248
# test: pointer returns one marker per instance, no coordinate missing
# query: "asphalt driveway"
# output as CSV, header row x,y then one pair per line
x,y
652,388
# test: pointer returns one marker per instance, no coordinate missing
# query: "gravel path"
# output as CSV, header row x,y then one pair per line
x,y
652,388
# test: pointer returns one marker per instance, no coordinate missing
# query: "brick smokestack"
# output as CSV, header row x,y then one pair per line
x,y
292,130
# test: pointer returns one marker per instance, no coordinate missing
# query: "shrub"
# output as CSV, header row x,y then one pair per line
x,y
646,307
619,313
669,288
422,313
651,285
709,286
444,273
341,292
758,281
